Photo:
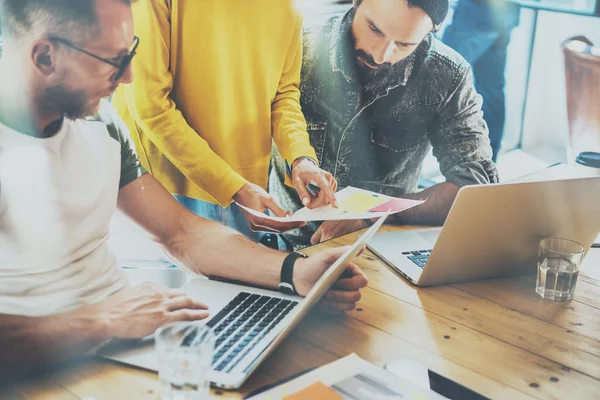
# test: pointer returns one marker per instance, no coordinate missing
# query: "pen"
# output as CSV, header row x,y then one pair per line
x,y
313,190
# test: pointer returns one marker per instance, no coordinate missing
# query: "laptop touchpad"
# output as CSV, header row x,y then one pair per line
x,y
431,235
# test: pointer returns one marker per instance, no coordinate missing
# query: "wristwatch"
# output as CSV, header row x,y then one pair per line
x,y
286,284
307,158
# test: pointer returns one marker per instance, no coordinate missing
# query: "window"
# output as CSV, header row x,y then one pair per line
x,y
573,6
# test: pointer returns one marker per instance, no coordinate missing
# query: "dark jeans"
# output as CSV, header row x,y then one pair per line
x,y
481,32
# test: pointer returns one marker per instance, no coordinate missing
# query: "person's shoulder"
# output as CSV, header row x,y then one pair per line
x,y
316,55
439,60
283,14
320,29
107,113
317,37
438,54
108,116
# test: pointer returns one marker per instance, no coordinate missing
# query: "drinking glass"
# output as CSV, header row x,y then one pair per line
x,y
185,351
558,268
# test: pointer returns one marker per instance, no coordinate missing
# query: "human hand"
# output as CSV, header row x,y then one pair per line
x,y
137,311
305,172
331,229
344,294
256,198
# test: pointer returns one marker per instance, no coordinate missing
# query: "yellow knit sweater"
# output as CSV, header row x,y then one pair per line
x,y
214,81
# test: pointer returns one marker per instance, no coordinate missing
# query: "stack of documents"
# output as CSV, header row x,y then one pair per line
x,y
353,203
349,378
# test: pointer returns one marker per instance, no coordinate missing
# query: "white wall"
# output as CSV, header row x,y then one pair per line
x,y
545,129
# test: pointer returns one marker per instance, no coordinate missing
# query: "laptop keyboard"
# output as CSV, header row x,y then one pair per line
x,y
241,325
419,257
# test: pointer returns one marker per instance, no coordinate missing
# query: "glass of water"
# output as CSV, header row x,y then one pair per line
x,y
185,351
558,268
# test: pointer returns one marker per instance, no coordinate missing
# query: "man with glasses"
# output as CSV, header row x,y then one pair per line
x,y
378,92
216,82
120,62
62,176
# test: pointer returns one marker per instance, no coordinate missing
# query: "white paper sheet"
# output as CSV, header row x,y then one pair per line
x,y
329,213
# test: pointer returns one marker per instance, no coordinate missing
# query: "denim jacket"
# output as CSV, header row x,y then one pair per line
x,y
379,143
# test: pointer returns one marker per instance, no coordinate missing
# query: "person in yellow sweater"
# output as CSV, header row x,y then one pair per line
x,y
216,81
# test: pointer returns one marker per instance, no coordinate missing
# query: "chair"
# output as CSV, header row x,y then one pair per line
x,y
582,78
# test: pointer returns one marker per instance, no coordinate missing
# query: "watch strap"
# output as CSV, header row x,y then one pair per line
x,y
288,166
287,272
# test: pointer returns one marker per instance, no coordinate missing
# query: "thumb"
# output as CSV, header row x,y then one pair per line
x,y
316,237
272,205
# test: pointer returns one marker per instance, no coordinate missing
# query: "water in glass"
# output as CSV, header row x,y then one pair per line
x,y
184,352
557,278
183,376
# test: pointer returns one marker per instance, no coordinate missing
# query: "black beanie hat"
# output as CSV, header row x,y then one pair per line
x,y
436,9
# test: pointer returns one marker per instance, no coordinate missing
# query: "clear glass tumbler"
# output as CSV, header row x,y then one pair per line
x,y
558,268
185,351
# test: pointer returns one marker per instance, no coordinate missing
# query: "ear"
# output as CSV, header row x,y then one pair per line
x,y
43,56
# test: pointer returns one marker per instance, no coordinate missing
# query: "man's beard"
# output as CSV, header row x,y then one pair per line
x,y
377,80
73,104
373,80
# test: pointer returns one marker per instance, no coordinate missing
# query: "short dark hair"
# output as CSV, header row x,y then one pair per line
x,y
20,18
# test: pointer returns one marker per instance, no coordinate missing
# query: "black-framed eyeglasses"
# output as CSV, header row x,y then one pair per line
x,y
121,65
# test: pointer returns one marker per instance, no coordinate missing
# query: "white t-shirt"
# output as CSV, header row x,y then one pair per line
x,y
57,197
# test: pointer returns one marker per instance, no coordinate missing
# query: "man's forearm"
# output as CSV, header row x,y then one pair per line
x,y
199,245
29,344
214,250
434,211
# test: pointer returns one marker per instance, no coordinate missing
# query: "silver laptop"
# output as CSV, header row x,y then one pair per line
x,y
494,231
248,322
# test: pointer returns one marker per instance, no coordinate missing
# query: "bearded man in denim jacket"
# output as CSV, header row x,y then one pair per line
x,y
378,92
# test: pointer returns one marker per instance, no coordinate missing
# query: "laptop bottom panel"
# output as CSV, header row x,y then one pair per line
x,y
245,321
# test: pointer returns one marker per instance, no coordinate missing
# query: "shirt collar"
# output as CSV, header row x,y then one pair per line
x,y
340,54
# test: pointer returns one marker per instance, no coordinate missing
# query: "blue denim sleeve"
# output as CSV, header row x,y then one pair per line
x,y
459,135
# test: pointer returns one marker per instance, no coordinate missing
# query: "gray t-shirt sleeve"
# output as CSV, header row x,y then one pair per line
x,y
131,168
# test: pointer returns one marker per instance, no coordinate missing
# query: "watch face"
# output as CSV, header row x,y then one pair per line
x,y
286,288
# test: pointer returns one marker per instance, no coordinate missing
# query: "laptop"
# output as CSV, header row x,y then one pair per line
x,y
249,323
494,231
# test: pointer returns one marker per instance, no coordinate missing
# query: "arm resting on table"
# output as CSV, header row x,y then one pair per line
x,y
459,137
434,211
29,344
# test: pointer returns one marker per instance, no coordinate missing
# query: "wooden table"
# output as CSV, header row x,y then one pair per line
x,y
496,337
